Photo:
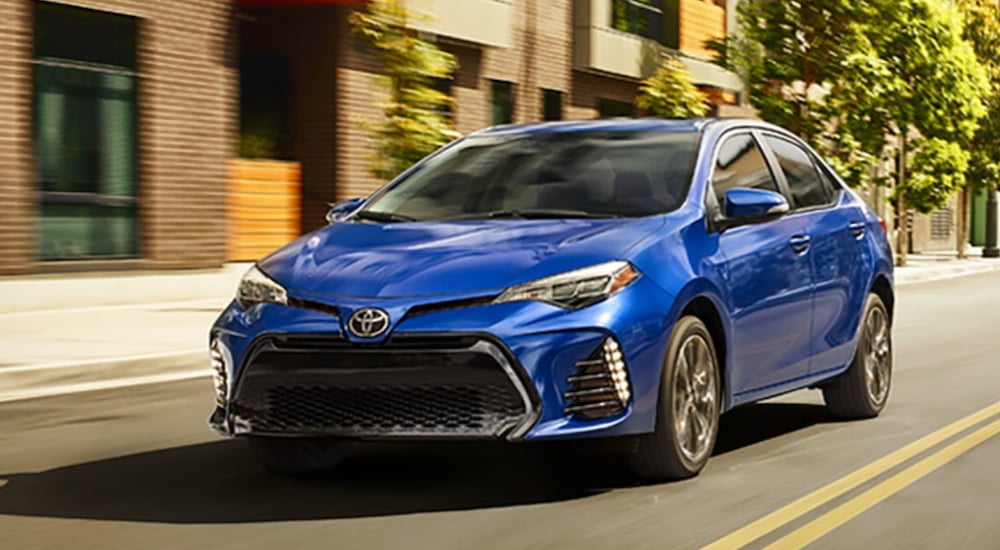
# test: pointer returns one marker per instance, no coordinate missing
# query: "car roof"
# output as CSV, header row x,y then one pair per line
x,y
620,125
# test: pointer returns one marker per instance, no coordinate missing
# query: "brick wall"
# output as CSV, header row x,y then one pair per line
x,y
18,198
358,97
186,129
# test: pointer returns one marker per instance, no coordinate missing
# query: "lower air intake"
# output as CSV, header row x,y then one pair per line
x,y
599,388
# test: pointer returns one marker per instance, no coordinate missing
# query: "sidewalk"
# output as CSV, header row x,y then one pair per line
x,y
72,333
65,333
930,266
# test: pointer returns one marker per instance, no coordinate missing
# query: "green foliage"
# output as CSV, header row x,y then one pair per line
x,y
940,93
938,171
259,140
670,92
414,125
982,30
803,63
845,75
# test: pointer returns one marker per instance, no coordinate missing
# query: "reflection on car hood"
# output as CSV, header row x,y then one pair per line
x,y
414,259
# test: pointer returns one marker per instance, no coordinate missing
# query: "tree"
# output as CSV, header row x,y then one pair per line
x,y
803,63
414,125
848,75
982,30
670,92
940,90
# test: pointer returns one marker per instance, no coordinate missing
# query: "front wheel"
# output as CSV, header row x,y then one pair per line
x,y
687,419
863,390
292,456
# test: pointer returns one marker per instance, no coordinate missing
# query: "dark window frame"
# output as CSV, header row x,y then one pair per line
x,y
56,66
500,104
645,18
552,110
606,104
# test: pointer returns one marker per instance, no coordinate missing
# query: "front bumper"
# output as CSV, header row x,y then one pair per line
x,y
486,370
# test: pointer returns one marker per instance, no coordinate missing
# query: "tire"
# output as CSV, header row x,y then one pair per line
x,y
863,390
687,417
295,456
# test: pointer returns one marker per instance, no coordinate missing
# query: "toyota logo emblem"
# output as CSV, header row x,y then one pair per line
x,y
368,322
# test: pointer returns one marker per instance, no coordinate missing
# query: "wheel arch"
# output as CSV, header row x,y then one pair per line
x,y
883,288
702,300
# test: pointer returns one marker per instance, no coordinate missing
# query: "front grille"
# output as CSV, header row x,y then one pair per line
x,y
454,387
391,409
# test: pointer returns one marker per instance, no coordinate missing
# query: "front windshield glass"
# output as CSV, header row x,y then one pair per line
x,y
557,175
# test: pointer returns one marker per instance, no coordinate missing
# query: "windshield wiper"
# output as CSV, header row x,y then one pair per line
x,y
376,216
532,213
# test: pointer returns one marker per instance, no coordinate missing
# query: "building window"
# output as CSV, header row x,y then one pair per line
x,y
444,85
502,102
552,105
640,17
609,108
85,124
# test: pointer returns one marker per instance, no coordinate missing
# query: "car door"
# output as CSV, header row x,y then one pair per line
x,y
767,274
835,226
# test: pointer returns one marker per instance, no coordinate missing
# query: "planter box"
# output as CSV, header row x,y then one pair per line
x,y
262,207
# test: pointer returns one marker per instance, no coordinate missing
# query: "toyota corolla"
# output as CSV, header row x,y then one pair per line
x,y
624,280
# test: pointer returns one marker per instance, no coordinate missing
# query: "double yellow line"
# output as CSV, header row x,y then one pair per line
x,y
855,506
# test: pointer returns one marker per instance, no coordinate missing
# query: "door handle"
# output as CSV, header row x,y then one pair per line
x,y
800,243
857,229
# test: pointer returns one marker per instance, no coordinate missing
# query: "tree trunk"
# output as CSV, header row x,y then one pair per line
x,y
962,231
902,220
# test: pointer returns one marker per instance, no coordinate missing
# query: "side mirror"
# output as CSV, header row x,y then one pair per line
x,y
343,209
754,205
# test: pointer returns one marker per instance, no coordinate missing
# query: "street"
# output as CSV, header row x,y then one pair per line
x,y
137,467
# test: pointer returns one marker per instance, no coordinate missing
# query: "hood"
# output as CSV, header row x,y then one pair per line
x,y
416,259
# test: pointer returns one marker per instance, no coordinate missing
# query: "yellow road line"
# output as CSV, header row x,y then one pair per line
x,y
756,529
854,507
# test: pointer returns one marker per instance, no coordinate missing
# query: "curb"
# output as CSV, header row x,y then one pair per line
x,y
913,274
58,378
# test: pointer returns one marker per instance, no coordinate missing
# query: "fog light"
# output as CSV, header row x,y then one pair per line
x,y
218,356
600,386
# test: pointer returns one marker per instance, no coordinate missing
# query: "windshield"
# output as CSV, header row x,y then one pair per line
x,y
563,174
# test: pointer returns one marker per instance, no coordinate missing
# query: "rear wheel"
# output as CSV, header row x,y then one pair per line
x,y
687,419
863,390
297,455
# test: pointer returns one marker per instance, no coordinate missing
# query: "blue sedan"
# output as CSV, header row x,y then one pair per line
x,y
629,280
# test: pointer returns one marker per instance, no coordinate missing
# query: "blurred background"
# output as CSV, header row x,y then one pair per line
x,y
185,134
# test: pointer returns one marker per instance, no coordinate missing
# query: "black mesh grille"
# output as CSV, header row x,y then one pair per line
x,y
373,410
377,392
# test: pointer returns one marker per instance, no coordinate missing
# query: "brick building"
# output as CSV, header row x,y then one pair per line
x,y
116,119
519,61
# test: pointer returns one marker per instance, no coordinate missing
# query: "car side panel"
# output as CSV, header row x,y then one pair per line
x,y
768,293
843,264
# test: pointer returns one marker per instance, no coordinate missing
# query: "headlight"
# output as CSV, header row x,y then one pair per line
x,y
256,288
575,289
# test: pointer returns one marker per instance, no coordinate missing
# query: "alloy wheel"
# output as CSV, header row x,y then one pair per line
x,y
878,359
695,398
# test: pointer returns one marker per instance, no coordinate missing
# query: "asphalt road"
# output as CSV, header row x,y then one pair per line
x,y
138,468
